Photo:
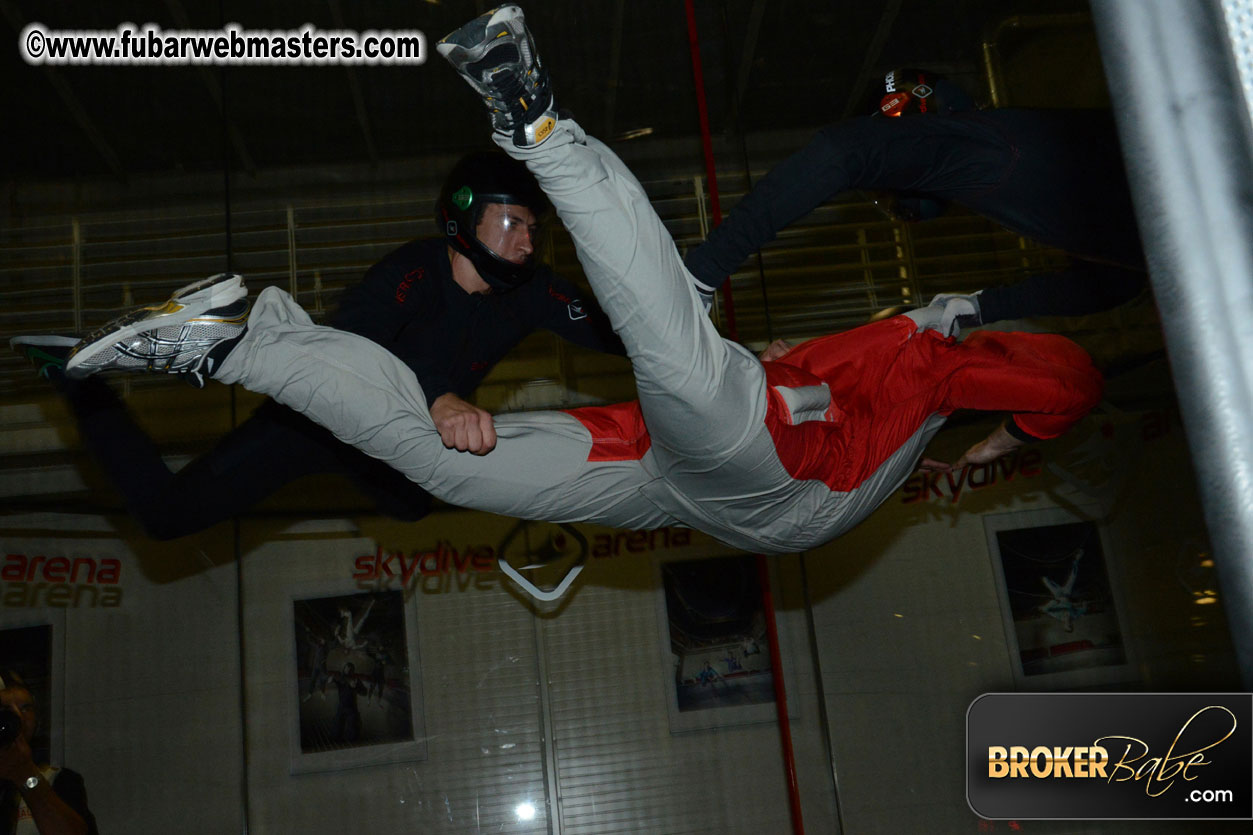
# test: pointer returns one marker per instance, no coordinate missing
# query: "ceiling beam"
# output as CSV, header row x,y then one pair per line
x,y
615,67
873,53
76,110
182,21
354,88
750,49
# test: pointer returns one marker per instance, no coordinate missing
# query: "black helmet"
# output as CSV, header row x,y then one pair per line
x,y
908,90
905,92
477,180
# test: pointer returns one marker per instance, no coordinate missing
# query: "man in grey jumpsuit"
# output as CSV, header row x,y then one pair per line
x,y
772,458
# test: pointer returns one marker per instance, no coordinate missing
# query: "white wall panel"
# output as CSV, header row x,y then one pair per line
x,y
569,703
910,627
151,685
478,688
621,768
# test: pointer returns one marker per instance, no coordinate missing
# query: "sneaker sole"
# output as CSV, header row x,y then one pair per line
x,y
44,351
472,51
43,341
500,16
187,303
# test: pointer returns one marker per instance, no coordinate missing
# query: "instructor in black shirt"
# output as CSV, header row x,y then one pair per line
x,y
450,307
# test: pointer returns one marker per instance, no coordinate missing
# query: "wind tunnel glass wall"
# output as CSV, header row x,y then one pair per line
x,y
317,666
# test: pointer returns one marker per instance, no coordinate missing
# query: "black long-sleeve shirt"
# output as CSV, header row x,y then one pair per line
x,y
409,304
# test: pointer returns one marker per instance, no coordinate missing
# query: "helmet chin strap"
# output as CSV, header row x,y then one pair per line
x,y
500,274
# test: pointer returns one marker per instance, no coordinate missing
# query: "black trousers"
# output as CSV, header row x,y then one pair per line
x,y
273,447
1055,176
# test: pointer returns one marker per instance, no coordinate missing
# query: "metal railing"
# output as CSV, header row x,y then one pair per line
x,y
831,271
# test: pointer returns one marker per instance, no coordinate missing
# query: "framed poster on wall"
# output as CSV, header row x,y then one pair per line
x,y
354,681
717,654
1059,599
33,654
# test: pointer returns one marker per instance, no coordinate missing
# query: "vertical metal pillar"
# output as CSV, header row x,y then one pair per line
x,y
292,284
76,272
1188,146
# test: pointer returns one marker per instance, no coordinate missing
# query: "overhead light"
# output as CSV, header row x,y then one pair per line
x,y
525,811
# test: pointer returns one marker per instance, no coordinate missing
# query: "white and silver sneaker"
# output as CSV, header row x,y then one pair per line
x,y
496,55
188,335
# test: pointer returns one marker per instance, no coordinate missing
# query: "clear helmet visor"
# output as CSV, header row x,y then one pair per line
x,y
508,231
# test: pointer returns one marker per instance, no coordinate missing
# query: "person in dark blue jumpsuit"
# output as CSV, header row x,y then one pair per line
x,y
414,302
1055,176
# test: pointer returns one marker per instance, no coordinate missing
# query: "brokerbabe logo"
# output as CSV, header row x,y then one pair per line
x,y
1110,755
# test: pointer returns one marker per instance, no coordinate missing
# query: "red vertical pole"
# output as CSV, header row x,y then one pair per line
x,y
707,148
763,567
780,696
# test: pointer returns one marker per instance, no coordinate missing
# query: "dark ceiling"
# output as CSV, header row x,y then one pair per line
x,y
620,65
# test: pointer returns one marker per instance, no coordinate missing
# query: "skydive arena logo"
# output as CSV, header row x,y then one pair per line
x,y
1094,756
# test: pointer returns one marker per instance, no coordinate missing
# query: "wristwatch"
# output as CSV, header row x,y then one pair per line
x,y
32,782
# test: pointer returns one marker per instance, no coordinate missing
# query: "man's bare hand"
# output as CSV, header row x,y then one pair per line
x,y
774,350
999,443
463,426
995,445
